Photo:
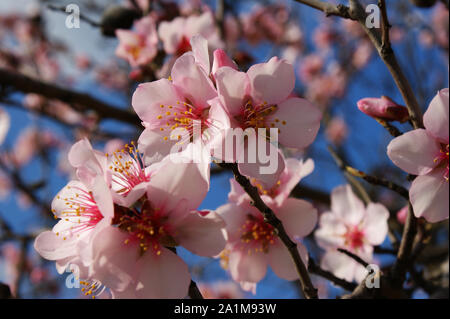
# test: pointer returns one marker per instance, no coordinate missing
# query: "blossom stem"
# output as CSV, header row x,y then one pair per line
x,y
309,291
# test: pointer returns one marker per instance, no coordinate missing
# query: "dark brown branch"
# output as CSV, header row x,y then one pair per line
x,y
317,270
269,217
404,253
86,102
385,42
194,292
395,132
356,258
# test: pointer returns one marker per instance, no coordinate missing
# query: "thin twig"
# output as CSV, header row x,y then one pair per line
x,y
317,270
82,17
269,217
395,132
356,258
378,181
354,182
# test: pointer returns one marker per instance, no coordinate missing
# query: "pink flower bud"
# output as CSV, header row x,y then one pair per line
x,y
383,108
222,59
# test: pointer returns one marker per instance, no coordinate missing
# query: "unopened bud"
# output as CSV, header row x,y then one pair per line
x,y
383,108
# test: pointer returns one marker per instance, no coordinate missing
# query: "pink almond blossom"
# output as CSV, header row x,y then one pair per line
x,y
351,226
252,244
131,257
139,46
179,110
425,152
260,99
176,34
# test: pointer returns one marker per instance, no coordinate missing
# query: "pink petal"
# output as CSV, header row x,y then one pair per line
x,y
202,235
148,98
295,170
281,261
298,121
221,59
436,118
53,247
114,262
429,196
234,217
271,82
330,234
152,144
178,181
414,151
233,87
298,216
244,266
340,265
269,161
200,50
164,277
346,205
103,198
170,34
193,81
375,224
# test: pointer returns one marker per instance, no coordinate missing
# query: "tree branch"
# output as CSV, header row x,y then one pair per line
x,y
25,84
269,216
317,270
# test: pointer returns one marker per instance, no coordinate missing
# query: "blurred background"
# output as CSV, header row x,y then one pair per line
x,y
335,63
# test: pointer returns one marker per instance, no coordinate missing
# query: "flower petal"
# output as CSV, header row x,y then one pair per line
x,y
436,118
148,97
298,122
298,216
375,224
250,267
193,81
202,235
281,261
164,277
271,82
414,152
346,205
233,87
429,196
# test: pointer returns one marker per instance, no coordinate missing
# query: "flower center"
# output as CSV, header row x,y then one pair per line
x,y
354,238
148,228
82,211
255,115
92,288
443,159
127,168
272,192
183,121
256,234
184,46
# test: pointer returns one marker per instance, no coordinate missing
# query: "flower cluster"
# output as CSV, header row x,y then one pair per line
x,y
125,212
